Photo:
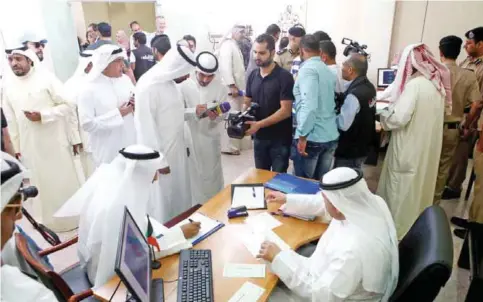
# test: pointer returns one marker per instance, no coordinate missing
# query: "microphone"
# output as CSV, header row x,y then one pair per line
x,y
217,108
240,93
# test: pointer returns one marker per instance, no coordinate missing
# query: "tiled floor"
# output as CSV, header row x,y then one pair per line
x,y
455,289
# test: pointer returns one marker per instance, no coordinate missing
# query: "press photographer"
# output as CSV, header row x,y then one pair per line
x,y
270,86
356,121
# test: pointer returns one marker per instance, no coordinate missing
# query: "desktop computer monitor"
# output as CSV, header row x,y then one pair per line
x,y
385,76
133,261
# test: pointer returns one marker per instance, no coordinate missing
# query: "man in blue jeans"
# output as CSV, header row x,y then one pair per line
x,y
316,134
271,87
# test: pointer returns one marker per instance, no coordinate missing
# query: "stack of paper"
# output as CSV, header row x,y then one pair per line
x,y
262,222
235,270
253,241
249,292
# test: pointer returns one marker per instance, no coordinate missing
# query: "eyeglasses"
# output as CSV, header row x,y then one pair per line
x,y
39,44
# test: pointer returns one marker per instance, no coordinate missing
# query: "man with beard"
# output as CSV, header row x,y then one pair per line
x,y
271,87
36,45
36,110
201,92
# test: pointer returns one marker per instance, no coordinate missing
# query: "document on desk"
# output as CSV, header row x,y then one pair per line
x,y
249,292
208,226
254,240
235,270
253,197
262,222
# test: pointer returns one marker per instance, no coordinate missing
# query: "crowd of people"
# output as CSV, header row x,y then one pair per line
x,y
137,125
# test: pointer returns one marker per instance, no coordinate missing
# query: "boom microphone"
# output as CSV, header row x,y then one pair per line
x,y
219,109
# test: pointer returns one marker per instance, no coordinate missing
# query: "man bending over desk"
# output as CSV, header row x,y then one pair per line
x,y
100,201
355,259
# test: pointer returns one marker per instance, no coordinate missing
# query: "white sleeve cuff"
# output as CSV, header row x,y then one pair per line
x,y
282,265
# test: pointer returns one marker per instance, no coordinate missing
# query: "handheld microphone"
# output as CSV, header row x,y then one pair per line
x,y
219,109
240,93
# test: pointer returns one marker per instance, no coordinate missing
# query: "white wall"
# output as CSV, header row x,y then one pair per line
x,y
366,21
51,19
200,17
442,18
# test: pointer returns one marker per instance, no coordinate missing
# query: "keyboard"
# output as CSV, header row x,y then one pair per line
x,y
195,282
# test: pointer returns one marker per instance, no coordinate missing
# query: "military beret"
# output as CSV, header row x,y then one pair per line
x,y
297,31
451,40
475,34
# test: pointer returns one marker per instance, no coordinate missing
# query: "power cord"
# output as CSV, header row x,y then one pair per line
x,y
176,280
117,287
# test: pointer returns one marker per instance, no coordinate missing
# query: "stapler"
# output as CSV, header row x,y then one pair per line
x,y
240,211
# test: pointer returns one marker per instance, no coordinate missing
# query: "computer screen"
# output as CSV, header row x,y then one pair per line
x,y
385,76
133,262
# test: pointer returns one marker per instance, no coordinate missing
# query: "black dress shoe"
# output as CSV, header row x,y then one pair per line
x,y
459,222
449,193
461,233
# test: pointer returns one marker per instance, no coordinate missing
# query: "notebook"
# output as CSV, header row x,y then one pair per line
x,y
250,195
208,227
290,184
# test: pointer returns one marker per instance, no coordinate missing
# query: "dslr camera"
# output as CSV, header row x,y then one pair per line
x,y
236,123
354,47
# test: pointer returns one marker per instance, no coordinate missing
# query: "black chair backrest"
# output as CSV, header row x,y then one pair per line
x,y
49,278
425,257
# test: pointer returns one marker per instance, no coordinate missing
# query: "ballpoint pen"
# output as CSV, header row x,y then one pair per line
x,y
254,194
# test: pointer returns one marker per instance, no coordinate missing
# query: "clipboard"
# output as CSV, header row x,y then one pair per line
x,y
204,219
255,185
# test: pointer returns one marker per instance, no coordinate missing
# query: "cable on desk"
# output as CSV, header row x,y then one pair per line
x,y
176,280
117,287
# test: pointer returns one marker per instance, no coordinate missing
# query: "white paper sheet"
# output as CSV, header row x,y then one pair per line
x,y
249,292
207,224
253,241
262,222
236,270
251,197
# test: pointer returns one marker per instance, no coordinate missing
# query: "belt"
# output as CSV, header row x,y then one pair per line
x,y
452,125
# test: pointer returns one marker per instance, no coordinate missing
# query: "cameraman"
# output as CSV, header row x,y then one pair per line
x,y
271,87
356,120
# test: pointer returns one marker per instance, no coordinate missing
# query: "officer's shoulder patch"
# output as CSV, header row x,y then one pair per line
x,y
282,51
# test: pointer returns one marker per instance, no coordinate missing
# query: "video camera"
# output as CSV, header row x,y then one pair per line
x,y
236,122
354,47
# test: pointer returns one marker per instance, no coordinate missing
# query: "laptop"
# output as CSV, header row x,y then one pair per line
x,y
133,263
385,76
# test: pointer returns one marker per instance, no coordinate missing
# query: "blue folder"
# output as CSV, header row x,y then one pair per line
x,y
290,184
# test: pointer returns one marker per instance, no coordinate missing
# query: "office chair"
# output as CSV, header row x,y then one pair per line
x,y
425,257
70,285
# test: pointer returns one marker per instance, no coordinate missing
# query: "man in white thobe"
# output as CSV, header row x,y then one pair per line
x,y
73,87
200,93
106,107
415,118
16,286
36,110
356,259
232,71
125,182
159,118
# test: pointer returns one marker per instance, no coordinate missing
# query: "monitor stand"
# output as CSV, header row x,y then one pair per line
x,y
157,292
